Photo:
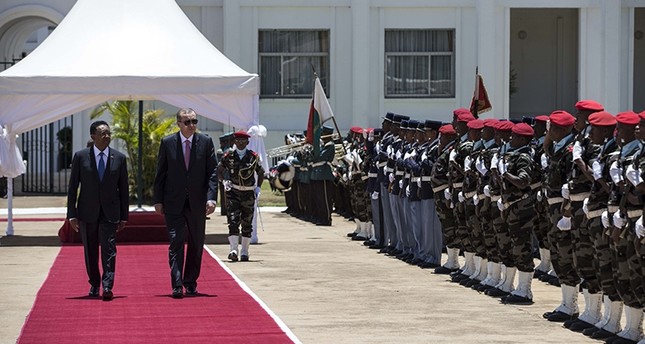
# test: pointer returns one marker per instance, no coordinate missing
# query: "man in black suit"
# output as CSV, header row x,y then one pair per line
x,y
101,207
185,193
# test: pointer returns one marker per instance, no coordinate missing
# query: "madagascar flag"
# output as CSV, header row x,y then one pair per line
x,y
480,102
319,112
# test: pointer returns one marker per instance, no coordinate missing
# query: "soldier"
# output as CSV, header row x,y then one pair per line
x,y
440,171
322,179
225,142
515,205
558,153
541,220
373,187
627,273
409,213
238,171
393,187
391,131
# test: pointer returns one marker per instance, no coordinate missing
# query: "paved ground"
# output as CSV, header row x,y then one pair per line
x,y
326,288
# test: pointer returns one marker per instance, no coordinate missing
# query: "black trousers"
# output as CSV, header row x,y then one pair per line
x,y
182,228
101,233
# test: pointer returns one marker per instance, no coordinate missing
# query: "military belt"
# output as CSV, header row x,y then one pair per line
x,y
415,179
399,173
509,204
381,164
495,198
579,197
440,188
592,214
481,196
320,163
634,213
535,185
457,185
364,177
426,178
389,169
554,200
243,188
304,169
407,176
372,175
470,194
612,208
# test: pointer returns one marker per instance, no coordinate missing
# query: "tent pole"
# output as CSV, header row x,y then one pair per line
x,y
140,160
9,206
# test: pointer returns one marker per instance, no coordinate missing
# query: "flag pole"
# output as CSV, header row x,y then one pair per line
x,y
476,110
333,118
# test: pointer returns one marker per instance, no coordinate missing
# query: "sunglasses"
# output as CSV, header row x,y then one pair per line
x,y
189,121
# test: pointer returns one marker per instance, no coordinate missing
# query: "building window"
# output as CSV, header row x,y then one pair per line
x,y
286,61
419,63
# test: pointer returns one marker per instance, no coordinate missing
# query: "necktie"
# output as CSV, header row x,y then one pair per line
x,y
101,165
187,153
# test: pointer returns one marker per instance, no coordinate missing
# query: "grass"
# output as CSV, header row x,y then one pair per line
x,y
269,198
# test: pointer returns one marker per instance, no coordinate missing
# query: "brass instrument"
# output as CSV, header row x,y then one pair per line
x,y
294,147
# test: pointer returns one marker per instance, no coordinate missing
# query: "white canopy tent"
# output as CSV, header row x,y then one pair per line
x,y
122,49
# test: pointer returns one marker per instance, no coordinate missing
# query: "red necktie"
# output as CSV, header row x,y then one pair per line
x,y
187,154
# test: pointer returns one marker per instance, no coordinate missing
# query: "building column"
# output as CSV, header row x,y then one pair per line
x,y
360,62
232,29
493,59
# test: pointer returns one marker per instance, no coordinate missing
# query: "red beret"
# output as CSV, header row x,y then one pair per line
x,y
465,117
460,111
504,126
602,119
447,129
628,118
241,133
490,122
476,124
642,114
542,118
589,105
523,129
562,118
356,129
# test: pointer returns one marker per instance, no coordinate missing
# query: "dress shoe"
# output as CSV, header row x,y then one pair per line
x,y
368,243
554,281
602,334
375,247
428,265
538,273
590,331
177,293
495,292
442,270
351,234
579,326
232,256
107,294
94,292
568,323
244,258
190,291
359,238
473,282
560,317
516,300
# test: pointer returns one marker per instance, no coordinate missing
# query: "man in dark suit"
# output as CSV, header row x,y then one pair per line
x,y
185,192
101,207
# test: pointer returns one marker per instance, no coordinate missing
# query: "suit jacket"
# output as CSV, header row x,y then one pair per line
x,y
109,195
174,184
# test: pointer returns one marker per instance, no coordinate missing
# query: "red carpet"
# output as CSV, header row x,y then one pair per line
x,y
142,310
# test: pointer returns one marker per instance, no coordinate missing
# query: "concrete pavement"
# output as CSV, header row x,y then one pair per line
x,y
326,288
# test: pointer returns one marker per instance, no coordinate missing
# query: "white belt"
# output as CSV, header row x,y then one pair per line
x,y
457,185
399,173
320,163
372,175
495,198
381,164
440,188
407,176
481,196
579,197
364,177
304,169
415,179
592,214
612,208
243,188
426,178
634,213
535,185
554,200
389,169
470,194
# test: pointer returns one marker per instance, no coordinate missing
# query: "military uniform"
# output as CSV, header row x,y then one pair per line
x,y
322,182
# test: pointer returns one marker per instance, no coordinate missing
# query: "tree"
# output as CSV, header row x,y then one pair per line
x,y
125,126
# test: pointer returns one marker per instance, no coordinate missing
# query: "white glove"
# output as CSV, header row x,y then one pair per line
x,y
544,161
407,191
453,155
539,196
564,224
500,205
370,136
585,207
616,172
604,218
502,167
565,191
633,175
345,177
447,194
460,196
597,167
577,151
400,183
419,182
475,199
348,157
467,162
487,190
390,151
480,166
375,195
228,185
390,177
398,154
385,170
493,161
639,229
424,156
407,155
619,220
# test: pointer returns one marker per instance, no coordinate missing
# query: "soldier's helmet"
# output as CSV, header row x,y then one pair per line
x,y
281,176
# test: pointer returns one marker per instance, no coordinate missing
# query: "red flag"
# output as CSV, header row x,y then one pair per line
x,y
480,102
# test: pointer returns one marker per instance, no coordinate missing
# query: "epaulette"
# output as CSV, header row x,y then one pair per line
x,y
254,153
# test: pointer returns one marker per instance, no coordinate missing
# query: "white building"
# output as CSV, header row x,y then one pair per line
x,y
415,57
